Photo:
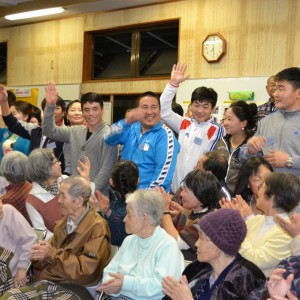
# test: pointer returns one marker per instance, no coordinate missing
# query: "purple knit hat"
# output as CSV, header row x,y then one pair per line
x,y
226,229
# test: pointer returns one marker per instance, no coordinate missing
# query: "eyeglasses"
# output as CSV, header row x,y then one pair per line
x,y
55,161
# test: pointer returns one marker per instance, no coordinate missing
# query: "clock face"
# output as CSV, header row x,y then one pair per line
x,y
213,48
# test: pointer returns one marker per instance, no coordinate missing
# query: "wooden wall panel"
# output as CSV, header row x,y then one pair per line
x,y
46,51
4,34
262,36
125,87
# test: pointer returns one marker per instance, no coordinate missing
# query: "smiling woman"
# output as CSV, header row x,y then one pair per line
x,y
238,123
200,195
279,194
74,113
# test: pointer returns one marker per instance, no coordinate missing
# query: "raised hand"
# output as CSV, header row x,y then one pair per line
x,y
51,93
167,197
133,115
178,74
84,168
292,227
103,201
3,94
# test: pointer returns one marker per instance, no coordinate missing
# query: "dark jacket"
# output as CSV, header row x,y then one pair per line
x,y
115,220
240,281
234,160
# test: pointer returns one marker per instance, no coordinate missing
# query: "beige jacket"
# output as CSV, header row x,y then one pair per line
x,y
81,256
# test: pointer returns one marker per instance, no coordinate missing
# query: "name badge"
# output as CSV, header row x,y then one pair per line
x,y
270,141
198,141
51,145
144,147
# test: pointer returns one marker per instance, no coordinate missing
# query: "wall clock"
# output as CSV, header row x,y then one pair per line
x,y
214,47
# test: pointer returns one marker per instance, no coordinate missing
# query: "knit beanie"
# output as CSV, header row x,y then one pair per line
x,y
225,228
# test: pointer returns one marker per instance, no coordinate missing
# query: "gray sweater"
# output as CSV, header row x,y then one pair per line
x,y
282,132
101,155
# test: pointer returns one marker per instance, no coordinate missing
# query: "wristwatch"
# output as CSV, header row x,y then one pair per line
x,y
289,162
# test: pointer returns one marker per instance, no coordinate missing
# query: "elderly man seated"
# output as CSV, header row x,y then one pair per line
x,y
79,249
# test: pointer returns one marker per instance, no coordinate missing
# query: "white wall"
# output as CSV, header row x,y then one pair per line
x,y
223,86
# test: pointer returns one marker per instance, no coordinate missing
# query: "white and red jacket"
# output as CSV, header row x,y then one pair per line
x,y
194,138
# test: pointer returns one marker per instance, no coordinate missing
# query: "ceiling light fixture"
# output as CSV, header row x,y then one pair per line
x,y
35,13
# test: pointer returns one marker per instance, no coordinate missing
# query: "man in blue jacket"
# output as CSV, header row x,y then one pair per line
x,y
147,142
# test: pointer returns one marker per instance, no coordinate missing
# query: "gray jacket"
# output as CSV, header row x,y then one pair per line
x,y
282,132
101,155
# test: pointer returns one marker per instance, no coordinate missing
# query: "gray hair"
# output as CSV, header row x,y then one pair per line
x,y
13,166
78,187
39,165
149,202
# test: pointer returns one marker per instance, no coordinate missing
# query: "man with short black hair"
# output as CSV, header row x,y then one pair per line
x,y
85,140
146,141
197,134
278,135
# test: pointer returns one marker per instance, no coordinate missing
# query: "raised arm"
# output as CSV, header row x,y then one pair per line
x,y
172,119
118,132
51,93
3,101
57,133
178,74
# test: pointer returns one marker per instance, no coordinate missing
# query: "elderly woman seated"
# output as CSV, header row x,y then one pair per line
x,y
44,170
219,271
146,256
200,195
13,167
266,243
16,239
79,249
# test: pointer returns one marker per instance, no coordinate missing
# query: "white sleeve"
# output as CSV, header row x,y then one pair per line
x,y
182,244
172,119
37,220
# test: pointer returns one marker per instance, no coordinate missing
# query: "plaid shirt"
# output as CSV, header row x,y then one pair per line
x,y
44,289
6,279
265,109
